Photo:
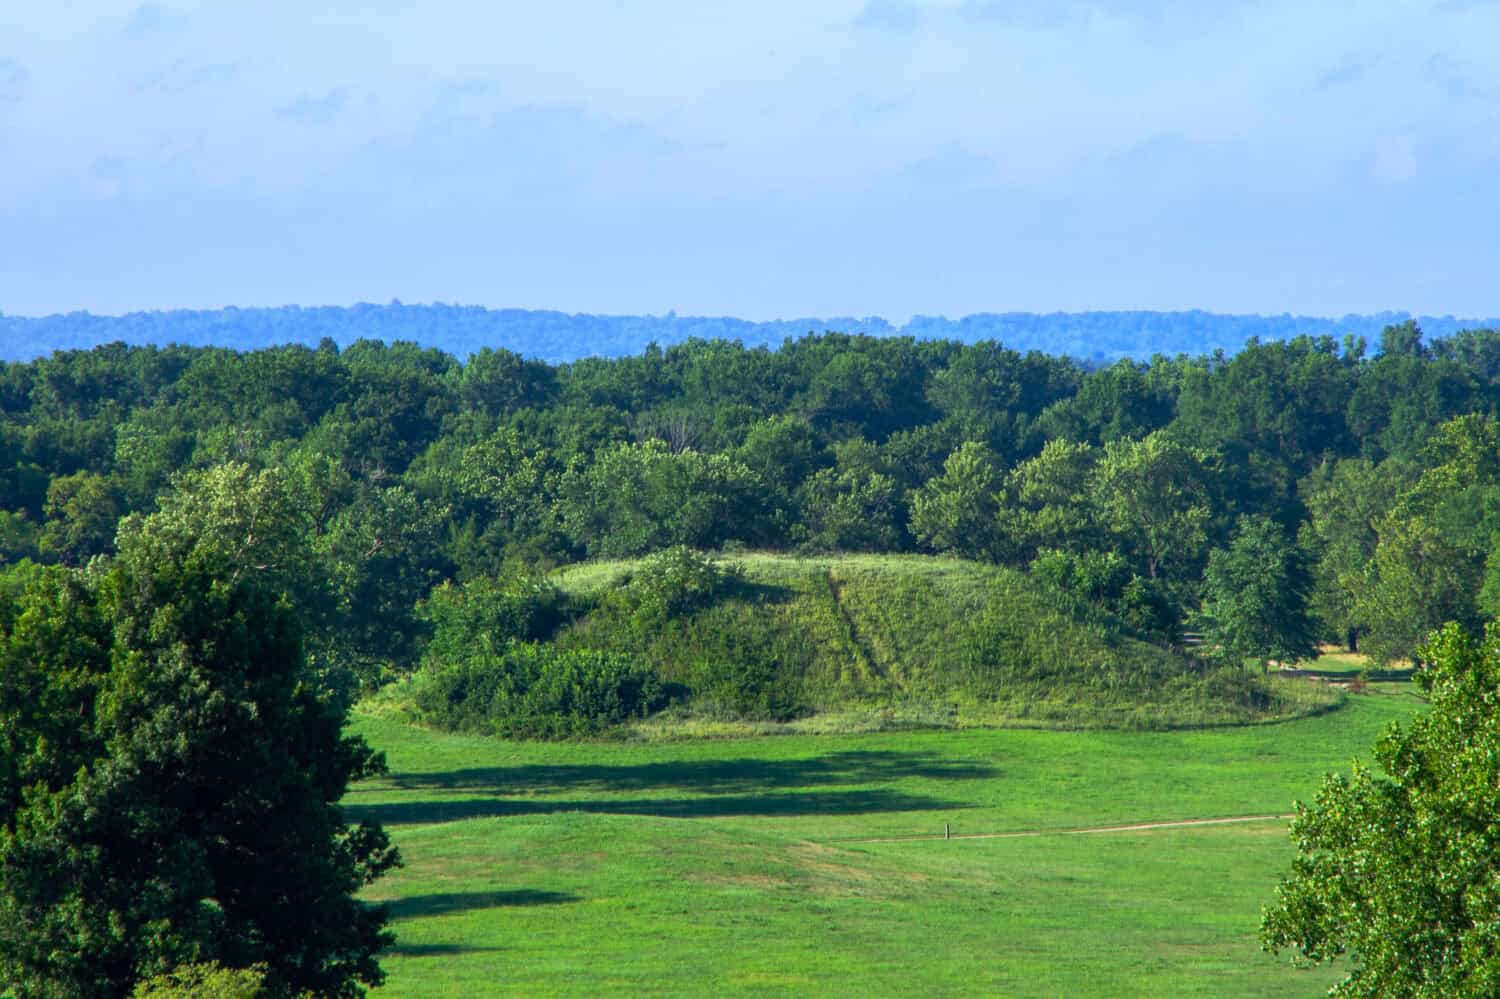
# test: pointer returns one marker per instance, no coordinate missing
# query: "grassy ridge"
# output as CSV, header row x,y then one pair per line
x,y
733,867
921,640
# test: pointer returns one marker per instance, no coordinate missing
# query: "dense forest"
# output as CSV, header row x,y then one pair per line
x,y
1094,337
1365,484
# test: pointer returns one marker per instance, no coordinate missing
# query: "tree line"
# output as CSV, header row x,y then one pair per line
x,y
1367,482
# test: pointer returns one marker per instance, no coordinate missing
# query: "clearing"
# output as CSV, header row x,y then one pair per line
x,y
749,866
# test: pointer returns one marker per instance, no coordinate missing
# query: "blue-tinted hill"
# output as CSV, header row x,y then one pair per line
x,y
558,336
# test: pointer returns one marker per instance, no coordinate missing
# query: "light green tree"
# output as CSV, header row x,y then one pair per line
x,y
956,511
1047,501
1152,495
1399,875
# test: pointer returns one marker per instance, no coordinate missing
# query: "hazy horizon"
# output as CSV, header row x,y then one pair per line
x,y
896,322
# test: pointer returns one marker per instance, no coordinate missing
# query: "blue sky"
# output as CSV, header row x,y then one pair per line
x,y
761,159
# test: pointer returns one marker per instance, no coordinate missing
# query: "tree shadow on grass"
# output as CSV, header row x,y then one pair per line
x,y
734,776
853,802
443,903
399,949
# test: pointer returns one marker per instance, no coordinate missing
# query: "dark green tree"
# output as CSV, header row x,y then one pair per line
x,y
82,511
169,779
1257,591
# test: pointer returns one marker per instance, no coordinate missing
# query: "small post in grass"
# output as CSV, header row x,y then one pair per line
x,y
947,831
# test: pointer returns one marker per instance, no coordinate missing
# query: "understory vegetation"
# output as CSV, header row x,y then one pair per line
x,y
878,641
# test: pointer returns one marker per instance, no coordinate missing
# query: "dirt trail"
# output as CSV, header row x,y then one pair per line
x,y
1082,830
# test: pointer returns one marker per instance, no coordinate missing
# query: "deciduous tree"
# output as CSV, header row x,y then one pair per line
x,y
1400,874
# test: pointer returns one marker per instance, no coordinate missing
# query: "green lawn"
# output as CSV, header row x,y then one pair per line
x,y
735,867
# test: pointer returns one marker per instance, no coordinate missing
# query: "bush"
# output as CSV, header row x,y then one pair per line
x,y
743,688
1104,579
537,691
484,616
679,580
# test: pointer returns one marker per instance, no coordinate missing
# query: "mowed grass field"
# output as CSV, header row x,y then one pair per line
x,y
745,867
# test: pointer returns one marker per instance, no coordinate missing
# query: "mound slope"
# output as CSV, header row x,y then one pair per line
x,y
856,641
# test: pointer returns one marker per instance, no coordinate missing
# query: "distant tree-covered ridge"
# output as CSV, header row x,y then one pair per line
x,y
558,336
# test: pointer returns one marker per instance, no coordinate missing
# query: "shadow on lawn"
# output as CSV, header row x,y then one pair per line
x,y
399,949
443,903
809,803
736,776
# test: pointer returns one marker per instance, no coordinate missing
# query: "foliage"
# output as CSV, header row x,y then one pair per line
x,y
1047,500
1399,872
203,981
677,581
169,777
635,498
919,636
1105,579
82,510
1429,564
1256,591
1347,502
1152,494
402,468
482,616
956,511
536,691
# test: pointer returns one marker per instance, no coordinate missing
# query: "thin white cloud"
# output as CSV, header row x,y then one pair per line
x,y
889,15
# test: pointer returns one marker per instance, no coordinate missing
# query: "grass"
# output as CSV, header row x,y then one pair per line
x,y
863,642
741,867
1339,665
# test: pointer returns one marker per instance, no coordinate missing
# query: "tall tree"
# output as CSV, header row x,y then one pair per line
x,y
1152,494
1257,593
955,512
1346,501
169,779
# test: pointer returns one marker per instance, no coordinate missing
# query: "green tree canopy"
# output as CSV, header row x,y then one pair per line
x,y
169,779
956,511
1400,874
1257,591
1152,494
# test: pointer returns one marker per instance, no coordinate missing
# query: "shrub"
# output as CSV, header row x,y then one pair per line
x,y
537,691
483,616
679,580
743,688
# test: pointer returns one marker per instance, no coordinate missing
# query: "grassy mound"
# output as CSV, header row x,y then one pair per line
x,y
856,642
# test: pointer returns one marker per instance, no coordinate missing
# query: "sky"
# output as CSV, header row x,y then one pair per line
x,y
776,158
